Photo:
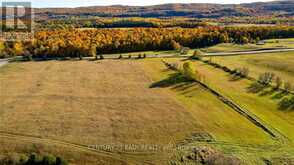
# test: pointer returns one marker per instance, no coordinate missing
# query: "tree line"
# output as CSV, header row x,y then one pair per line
x,y
92,42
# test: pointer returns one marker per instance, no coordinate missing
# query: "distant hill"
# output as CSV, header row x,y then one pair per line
x,y
200,10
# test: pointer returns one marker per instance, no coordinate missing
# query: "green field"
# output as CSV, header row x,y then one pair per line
x,y
282,64
268,44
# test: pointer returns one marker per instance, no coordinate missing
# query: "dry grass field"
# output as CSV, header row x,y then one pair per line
x,y
264,106
53,106
282,64
90,103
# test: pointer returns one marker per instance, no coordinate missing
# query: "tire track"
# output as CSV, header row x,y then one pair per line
x,y
81,147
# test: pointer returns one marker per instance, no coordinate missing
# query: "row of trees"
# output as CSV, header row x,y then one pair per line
x,y
79,43
123,22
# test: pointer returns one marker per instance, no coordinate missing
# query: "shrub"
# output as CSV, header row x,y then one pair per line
x,y
198,54
60,161
242,72
287,103
189,71
174,66
210,156
278,82
93,51
184,50
175,45
288,87
266,78
49,160
234,71
32,159
226,69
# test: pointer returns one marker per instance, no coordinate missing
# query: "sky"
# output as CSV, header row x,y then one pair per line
x,y
77,3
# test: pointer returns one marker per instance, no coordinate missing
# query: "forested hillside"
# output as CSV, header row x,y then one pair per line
x,y
279,8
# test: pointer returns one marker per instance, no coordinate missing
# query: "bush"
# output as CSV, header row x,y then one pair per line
x,y
288,87
32,159
175,45
49,160
60,161
287,104
210,156
174,66
184,50
189,71
226,69
242,72
198,54
278,82
266,78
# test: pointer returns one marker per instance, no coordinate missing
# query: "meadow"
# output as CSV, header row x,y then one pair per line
x,y
282,64
89,111
266,44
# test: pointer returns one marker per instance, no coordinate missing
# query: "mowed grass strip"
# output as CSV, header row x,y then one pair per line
x,y
107,102
215,117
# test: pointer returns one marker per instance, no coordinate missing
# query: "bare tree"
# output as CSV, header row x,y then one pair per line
x,y
288,86
278,82
266,78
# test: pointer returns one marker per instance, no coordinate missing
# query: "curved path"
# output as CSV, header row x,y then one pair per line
x,y
80,147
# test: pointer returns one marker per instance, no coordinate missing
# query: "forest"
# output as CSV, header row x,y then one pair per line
x,y
90,42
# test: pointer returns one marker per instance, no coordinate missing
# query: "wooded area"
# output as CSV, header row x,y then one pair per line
x,y
90,42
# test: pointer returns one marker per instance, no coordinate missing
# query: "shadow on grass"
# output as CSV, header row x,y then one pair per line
x,y
268,92
235,78
177,80
256,88
287,104
286,100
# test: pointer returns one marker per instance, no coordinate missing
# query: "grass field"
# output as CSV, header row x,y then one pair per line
x,y
282,64
264,106
268,44
111,102
63,107
90,103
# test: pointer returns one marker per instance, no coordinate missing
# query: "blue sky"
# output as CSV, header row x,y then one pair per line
x,y
76,3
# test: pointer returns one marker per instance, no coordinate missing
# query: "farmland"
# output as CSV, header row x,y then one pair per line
x,y
85,103
279,63
207,84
